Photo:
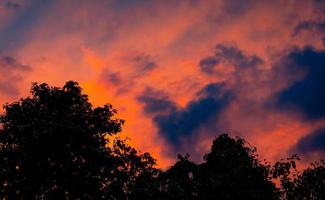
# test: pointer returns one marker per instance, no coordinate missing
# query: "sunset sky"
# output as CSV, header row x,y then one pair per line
x,y
180,72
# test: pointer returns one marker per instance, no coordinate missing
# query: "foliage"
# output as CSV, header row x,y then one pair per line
x,y
55,145
230,171
295,185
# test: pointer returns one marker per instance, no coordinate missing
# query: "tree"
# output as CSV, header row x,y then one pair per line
x,y
310,184
54,145
232,171
179,181
296,185
134,173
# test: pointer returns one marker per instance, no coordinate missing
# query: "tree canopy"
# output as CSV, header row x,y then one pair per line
x,y
56,145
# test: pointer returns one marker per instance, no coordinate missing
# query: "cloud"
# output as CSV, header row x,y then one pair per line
x,y
9,63
118,80
310,25
236,57
308,94
208,64
143,63
237,7
315,27
183,122
12,5
158,44
313,142
129,70
156,102
20,28
111,77
229,56
11,74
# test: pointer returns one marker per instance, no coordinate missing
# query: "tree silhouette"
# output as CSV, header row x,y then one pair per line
x,y
296,185
54,145
230,171
179,181
310,184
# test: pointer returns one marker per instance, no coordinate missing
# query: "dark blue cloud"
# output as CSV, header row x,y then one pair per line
x,y
310,25
183,122
156,102
228,55
315,27
307,94
312,142
236,57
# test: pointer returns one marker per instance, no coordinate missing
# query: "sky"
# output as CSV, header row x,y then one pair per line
x,y
180,72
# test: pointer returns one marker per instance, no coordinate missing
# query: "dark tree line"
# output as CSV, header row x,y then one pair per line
x,y
56,145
